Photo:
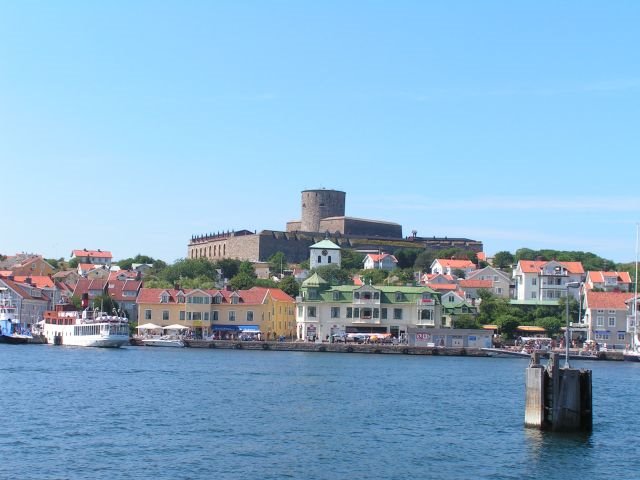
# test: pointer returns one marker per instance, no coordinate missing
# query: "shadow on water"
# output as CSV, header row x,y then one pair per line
x,y
551,453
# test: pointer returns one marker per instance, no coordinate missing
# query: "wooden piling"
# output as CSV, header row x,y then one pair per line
x,y
557,399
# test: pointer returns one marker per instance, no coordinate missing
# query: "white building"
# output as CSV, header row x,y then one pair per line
x,y
324,253
382,261
539,281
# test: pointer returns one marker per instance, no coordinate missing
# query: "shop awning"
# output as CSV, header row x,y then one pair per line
x,y
225,328
490,327
249,328
530,328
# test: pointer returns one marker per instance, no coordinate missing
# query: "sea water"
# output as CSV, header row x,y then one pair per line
x,y
168,413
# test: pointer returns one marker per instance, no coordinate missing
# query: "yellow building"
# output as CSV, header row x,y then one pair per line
x,y
222,313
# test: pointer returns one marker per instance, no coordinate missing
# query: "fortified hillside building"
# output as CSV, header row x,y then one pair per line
x,y
322,217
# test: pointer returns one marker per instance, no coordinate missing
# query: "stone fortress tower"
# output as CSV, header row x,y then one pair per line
x,y
318,205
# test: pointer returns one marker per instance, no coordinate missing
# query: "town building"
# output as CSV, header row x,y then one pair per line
x,y
501,283
380,261
222,313
323,310
545,282
451,338
95,257
448,266
30,301
25,264
606,318
608,281
324,254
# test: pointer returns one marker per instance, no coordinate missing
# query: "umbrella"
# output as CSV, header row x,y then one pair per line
x,y
148,326
175,326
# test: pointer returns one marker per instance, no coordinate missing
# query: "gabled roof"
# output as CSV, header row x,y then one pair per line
x,y
379,257
608,300
534,266
326,244
314,280
91,253
599,276
453,263
445,287
39,281
475,283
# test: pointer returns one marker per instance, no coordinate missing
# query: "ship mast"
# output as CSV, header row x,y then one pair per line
x,y
635,297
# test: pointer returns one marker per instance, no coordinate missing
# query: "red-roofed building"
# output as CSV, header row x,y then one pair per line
x,y
30,301
500,281
471,287
221,312
449,266
383,261
125,293
24,264
608,281
607,318
96,257
538,282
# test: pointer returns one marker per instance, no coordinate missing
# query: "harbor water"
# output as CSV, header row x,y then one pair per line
x,y
140,412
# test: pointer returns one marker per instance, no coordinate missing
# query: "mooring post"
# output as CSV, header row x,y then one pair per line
x,y
557,399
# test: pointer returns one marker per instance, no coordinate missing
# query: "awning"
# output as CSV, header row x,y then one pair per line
x,y
490,327
530,328
225,328
148,326
249,328
175,327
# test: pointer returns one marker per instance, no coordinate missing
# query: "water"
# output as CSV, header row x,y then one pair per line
x,y
188,414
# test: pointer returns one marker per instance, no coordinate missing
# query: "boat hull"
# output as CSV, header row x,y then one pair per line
x,y
14,339
163,343
631,357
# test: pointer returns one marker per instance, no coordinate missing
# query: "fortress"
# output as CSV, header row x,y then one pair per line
x,y
323,216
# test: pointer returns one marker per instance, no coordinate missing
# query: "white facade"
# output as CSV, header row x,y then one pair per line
x,y
541,281
382,261
501,282
323,254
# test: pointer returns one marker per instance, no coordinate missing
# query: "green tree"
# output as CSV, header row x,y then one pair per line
x,y
189,268
458,273
105,303
351,259
507,325
277,263
552,325
73,263
424,260
290,286
229,266
242,281
503,260
246,267
374,276
153,282
334,275
126,263
406,257
465,321
265,283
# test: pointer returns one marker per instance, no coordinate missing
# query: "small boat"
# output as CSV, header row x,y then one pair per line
x,y
163,341
11,330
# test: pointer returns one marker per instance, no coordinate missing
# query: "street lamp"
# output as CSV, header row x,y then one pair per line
x,y
567,338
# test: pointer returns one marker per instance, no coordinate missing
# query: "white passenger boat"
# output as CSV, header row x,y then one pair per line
x,y
87,328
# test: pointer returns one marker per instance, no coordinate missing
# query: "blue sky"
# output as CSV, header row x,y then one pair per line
x,y
131,125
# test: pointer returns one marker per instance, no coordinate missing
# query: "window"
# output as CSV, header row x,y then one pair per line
x,y
217,299
232,315
319,259
147,314
612,312
612,321
376,313
621,336
249,316
336,295
197,316
300,310
397,314
329,259
533,295
349,312
600,311
398,296
313,294
384,314
366,313
426,314
181,315
534,281
234,300
356,295
356,313
206,316
600,321
311,311
498,290
165,315
164,298
180,298
376,295
335,312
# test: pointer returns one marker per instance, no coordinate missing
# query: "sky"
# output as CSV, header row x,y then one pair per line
x,y
130,126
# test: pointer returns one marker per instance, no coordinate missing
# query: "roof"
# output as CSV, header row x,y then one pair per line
x,y
91,253
40,281
24,290
453,263
376,257
481,256
326,244
530,328
534,266
598,277
314,280
608,300
476,283
253,296
443,286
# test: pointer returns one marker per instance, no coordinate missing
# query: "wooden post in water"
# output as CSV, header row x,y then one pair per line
x,y
557,399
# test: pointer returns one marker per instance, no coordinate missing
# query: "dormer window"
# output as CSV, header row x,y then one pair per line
x,y
180,298
234,300
217,299
399,296
164,298
336,295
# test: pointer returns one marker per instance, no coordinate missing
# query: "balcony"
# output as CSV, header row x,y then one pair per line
x,y
425,302
366,301
426,323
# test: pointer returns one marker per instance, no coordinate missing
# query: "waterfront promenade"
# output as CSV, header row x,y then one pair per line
x,y
370,348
